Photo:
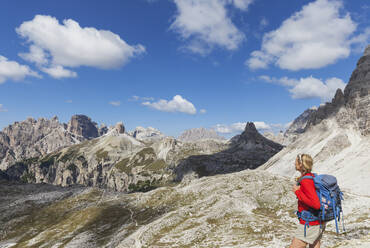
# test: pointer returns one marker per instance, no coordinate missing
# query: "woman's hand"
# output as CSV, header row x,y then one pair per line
x,y
296,187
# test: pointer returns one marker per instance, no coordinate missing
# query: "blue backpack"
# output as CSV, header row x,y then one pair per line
x,y
330,197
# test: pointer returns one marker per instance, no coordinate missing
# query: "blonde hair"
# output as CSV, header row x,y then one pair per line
x,y
307,162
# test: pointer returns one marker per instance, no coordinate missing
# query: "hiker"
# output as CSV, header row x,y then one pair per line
x,y
309,232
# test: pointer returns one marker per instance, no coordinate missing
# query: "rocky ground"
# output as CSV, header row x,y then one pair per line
x,y
243,209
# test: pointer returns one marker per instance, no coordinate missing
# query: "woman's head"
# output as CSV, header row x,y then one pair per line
x,y
303,163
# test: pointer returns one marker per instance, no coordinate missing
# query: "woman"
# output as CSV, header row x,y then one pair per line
x,y
307,200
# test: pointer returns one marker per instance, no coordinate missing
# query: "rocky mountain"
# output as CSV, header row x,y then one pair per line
x,y
196,134
337,135
115,160
121,162
246,151
33,138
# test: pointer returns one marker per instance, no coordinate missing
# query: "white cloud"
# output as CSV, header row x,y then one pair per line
x,y
140,98
11,70
315,88
206,24
316,36
55,45
202,111
69,101
36,55
115,103
309,87
177,104
261,125
242,4
59,72
239,127
2,109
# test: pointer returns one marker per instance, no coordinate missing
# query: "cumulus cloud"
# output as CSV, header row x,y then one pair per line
x,y
239,127
316,36
309,87
58,72
312,88
54,46
2,109
12,70
177,104
205,24
115,103
202,111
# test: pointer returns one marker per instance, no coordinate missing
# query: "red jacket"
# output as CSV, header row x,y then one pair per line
x,y
307,198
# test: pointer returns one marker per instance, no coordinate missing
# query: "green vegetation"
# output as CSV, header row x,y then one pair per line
x,y
143,186
102,155
157,165
69,155
123,166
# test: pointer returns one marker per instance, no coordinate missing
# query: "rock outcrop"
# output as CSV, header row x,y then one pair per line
x,y
81,125
196,134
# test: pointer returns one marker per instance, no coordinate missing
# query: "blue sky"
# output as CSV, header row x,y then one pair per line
x,y
177,64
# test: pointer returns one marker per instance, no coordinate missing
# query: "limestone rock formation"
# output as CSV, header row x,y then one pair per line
x,y
196,134
82,125
33,138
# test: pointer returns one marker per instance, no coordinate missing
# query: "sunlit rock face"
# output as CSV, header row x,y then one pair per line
x,y
33,138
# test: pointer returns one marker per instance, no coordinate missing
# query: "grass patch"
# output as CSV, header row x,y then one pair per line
x,y
157,165
102,155
143,186
123,166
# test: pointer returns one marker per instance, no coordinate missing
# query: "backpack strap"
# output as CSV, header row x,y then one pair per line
x,y
305,177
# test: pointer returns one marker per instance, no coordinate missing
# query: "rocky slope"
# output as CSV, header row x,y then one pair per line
x,y
33,138
196,134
